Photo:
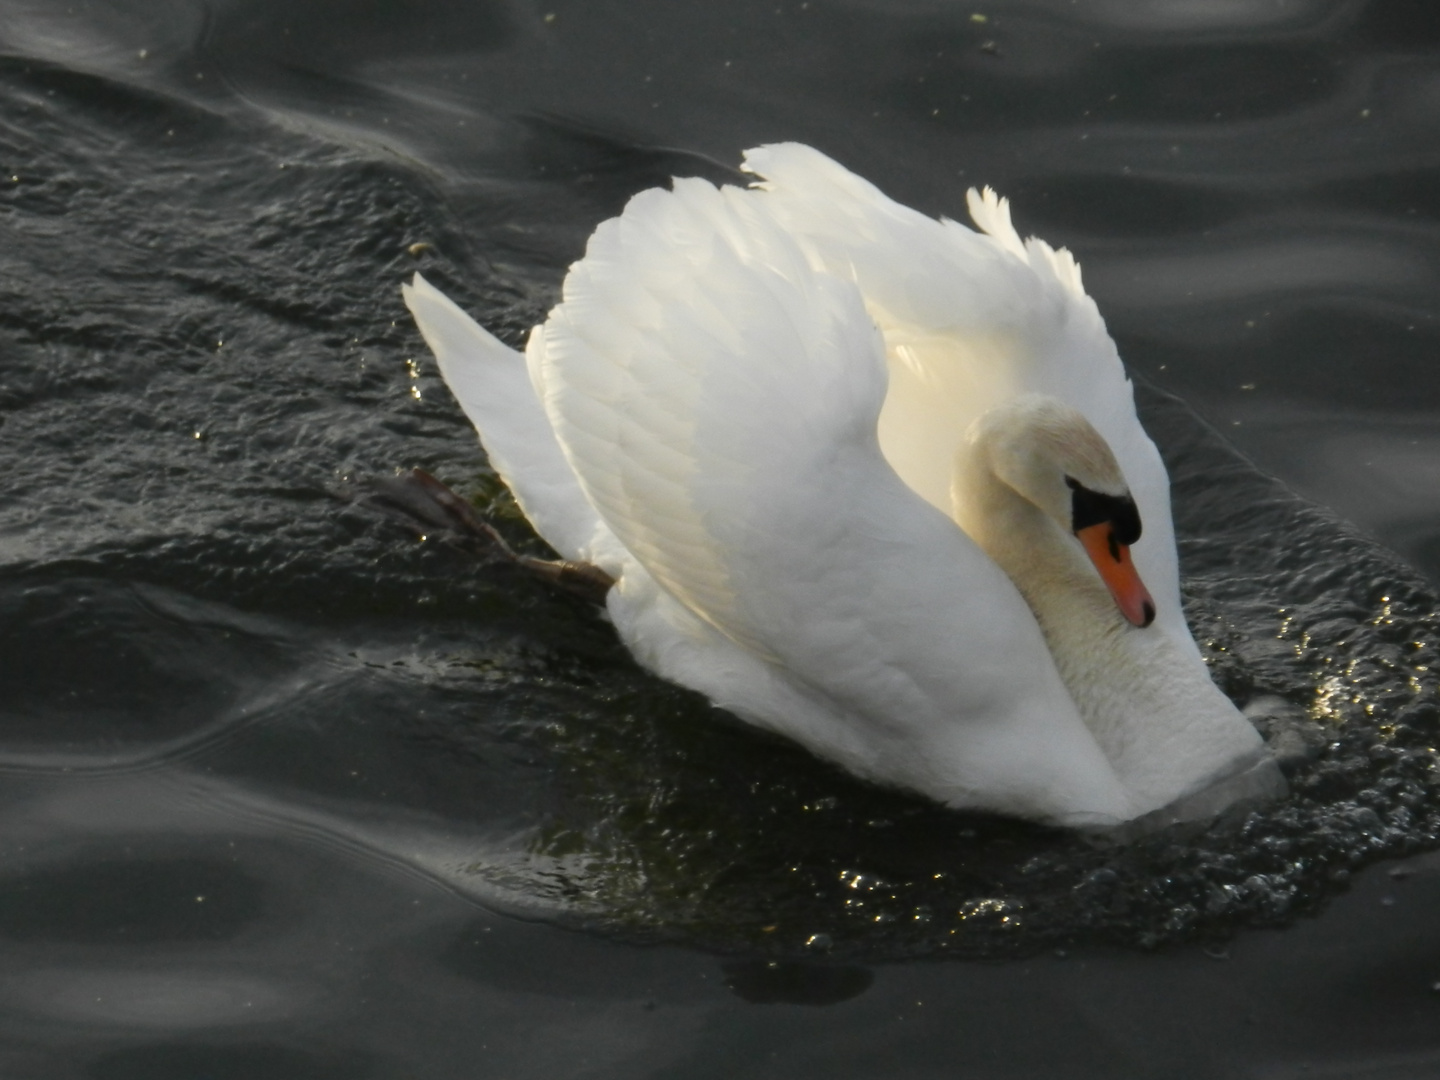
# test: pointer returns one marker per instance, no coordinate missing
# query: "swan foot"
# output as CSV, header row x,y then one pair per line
x,y
423,502
583,579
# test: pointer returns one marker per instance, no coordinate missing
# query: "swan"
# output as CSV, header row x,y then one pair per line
x,y
870,480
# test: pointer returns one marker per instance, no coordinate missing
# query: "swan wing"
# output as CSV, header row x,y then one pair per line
x,y
972,319
492,384
717,396
698,374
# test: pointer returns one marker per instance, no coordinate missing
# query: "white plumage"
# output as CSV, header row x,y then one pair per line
x,y
751,408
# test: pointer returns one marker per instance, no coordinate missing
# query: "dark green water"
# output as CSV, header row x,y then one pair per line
x,y
285,792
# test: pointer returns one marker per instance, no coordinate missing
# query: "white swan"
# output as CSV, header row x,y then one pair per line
x,y
764,411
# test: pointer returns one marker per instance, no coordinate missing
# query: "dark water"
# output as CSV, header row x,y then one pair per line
x,y
287,793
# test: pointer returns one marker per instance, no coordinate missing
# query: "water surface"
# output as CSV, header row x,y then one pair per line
x,y
288,791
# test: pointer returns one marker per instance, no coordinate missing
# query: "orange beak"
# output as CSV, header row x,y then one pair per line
x,y
1112,561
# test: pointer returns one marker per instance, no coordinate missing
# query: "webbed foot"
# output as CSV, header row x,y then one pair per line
x,y
423,502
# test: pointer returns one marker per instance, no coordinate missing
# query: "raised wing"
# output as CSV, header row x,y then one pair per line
x,y
703,381
971,319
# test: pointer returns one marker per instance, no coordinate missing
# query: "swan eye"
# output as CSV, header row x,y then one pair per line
x,y
1089,507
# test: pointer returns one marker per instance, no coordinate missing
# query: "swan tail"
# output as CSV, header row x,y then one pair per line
x,y
491,382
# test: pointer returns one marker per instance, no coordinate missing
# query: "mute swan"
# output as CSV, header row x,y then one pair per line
x,y
868,480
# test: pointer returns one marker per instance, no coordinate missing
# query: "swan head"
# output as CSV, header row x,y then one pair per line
x,y
1049,454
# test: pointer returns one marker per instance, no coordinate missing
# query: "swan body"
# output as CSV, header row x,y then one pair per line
x,y
831,451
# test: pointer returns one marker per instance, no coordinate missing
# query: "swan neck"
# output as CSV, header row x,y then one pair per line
x,y
1154,710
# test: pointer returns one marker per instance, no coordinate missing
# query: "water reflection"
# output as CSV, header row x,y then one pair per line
x,y
1257,274
175,999
1384,475
228,1061
164,673
106,900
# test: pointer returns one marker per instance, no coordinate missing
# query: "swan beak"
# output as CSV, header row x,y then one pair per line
x,y
1112,561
